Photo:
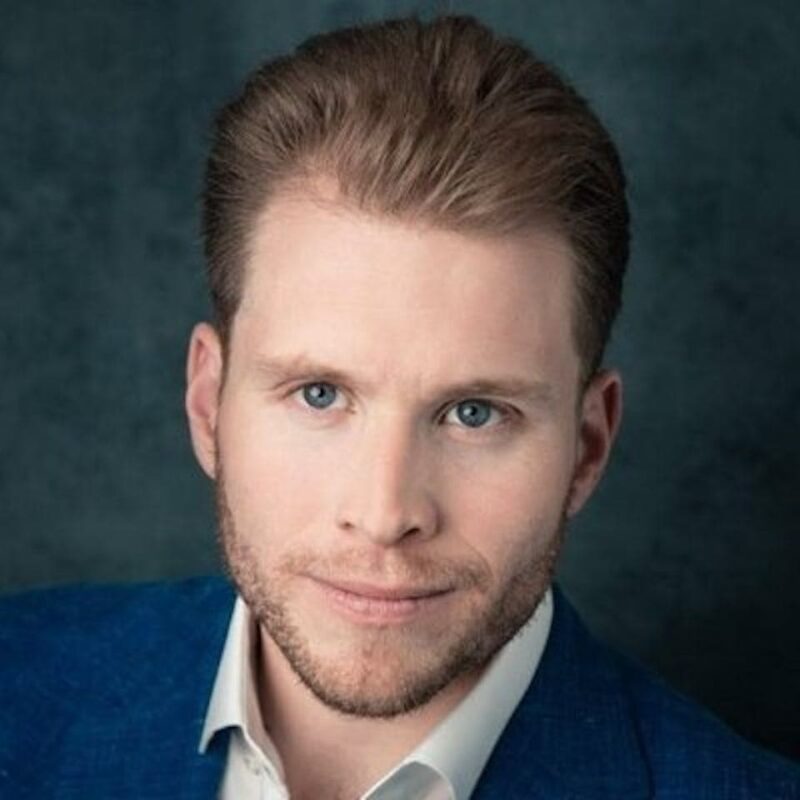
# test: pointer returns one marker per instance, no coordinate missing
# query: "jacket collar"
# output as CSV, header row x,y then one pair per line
x,y
573,734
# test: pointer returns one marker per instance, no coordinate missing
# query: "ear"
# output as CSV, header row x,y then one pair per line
x,y
601,412
203,384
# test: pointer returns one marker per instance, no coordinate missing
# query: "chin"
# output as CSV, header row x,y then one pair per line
x,y
379,673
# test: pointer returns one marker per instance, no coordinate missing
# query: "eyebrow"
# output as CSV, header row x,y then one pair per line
x,y
277,371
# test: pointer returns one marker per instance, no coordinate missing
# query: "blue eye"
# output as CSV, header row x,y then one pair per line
x,y
474,413
319,395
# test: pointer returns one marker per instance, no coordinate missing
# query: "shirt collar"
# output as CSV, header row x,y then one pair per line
x,y
457,748
234,699
460,745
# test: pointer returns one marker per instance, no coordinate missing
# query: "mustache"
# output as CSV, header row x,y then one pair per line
x,y
388,569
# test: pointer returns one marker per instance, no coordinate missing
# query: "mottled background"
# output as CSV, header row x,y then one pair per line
x,y
688,556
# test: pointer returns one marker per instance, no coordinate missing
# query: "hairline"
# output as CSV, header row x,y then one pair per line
x,y
323,189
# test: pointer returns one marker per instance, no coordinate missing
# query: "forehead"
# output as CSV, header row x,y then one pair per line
x,y
337,282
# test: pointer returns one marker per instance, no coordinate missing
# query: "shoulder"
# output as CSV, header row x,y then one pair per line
x,y
641,737
63,601
73,621
88,673
70,650
689,751
594,724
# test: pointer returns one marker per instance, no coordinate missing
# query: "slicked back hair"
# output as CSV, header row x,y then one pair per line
x,y
440,121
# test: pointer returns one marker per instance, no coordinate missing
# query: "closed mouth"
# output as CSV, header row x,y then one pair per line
x,y
378,592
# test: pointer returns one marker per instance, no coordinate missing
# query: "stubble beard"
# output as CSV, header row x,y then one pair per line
x,y
388,675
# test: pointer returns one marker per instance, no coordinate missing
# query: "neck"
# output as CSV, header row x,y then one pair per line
x,y
324,750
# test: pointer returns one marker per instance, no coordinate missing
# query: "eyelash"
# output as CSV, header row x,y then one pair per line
x,y
504,412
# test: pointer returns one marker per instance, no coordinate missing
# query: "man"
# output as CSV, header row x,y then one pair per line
x,y
416,237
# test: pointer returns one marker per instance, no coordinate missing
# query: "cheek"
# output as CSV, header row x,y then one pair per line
x,y
274,479
509,510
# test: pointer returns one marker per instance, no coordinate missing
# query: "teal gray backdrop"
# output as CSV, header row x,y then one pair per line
x,y
688,556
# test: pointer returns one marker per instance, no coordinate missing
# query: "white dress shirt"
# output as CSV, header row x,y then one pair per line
x,y
444,766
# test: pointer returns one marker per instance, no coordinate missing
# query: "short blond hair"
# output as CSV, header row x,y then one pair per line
x,y
442,121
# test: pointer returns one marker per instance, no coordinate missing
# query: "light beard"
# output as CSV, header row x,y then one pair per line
x,y
391,671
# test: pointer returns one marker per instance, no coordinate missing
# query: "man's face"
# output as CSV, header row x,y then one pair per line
x,y
397,445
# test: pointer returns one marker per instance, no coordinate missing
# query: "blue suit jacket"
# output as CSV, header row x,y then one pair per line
x,y
103,693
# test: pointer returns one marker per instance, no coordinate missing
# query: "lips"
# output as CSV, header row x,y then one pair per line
x,y
367,603
375,592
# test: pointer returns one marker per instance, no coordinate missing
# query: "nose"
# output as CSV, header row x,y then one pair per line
x,y
385,495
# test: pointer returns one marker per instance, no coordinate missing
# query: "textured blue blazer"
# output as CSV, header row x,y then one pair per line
x,y
103,693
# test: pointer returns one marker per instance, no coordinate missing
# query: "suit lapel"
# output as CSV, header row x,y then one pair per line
x,y
572,735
